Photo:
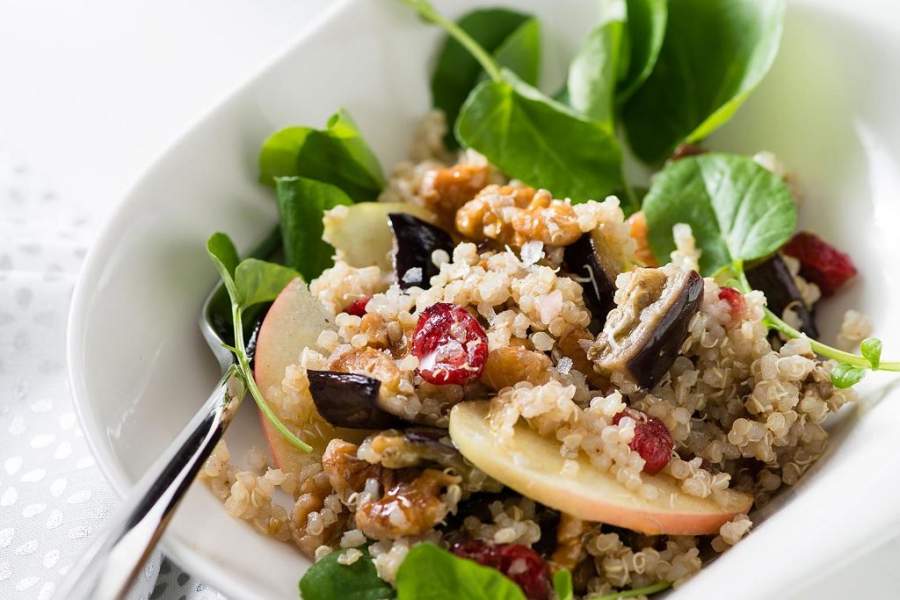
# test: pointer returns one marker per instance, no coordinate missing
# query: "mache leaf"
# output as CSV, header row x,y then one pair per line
x,y
737,209
328,579
644,33
595,70
258,281
301,205
714,54
431,573
337,155
562,585
540,141
497,30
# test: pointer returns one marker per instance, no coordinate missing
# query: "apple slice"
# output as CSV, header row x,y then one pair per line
x,y
293,323
531,465
361,233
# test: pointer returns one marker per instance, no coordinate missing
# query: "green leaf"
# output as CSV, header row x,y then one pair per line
x,y
513,39
337,154
430,573
259,281
328,579
644,34
301,204
595,70
539,141
225,258
714,54
562,585
278,155
844,376
737,209
871,351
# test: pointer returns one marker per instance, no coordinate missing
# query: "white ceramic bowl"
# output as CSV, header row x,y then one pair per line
x,y
139,367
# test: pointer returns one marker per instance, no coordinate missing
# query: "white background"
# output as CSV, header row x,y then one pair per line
x,y
90,92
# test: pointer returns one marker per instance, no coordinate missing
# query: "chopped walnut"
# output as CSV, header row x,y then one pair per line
x,y
313,492
516,215
637,228
509,365
444,191
406,508
371,362
569,542
375,330
346,473
574,345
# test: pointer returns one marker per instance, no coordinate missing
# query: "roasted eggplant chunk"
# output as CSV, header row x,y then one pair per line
x,y
349,400
773,278
589,260
643,334
414,241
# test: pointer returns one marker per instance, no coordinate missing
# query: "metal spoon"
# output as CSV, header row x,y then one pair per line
x,y
112,564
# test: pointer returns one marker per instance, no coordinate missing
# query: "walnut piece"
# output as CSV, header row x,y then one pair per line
x,y
408,508
444,191
514,216
509,365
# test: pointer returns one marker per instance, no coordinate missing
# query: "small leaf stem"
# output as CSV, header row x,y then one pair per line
x,y
644,591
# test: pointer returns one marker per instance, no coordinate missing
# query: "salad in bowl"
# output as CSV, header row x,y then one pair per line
x,y
508,370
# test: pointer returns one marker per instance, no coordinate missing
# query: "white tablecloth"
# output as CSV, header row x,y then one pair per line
x,y
89,93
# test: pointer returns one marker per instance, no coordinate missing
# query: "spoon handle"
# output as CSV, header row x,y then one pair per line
x,y
109,568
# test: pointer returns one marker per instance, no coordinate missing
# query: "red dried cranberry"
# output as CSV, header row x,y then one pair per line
x,y
520,563
450,344
735,302
820,262
651,440
358,307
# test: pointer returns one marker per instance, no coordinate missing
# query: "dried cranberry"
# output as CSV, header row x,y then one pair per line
x,y
520,563
358,307
735,302
651,440
450,344
820,262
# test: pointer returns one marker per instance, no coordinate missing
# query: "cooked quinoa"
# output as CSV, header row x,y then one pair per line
x,y
744,410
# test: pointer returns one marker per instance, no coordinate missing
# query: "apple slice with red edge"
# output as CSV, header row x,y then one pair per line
x,y
532,465
293,323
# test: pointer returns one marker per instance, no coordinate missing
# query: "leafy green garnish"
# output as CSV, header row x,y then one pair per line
x,y
595,70
871,351
844,376
539,141
562,585
249,283
644,34
431,573
301,204
337,155
714,54
738,210
328,579
512,37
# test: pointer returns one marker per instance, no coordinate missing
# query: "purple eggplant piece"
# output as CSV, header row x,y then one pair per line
x,y
414,241
773,278
644,340
349,400
585,260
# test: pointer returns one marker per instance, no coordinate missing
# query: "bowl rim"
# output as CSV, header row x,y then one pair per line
x,y
180,551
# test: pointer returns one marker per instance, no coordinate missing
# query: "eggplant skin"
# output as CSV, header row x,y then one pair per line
x,y
414,242
663,344
349,400
582,260
773,278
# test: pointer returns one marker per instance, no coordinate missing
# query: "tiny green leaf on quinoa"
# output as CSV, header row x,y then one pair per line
x,y
337,155
431,572
302,203
512,37
562,585
254,281
844,376
328,579
737,210
635,592
714,54
871,351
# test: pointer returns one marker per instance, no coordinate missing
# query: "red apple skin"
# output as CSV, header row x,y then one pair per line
x,y
293,323
531,465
